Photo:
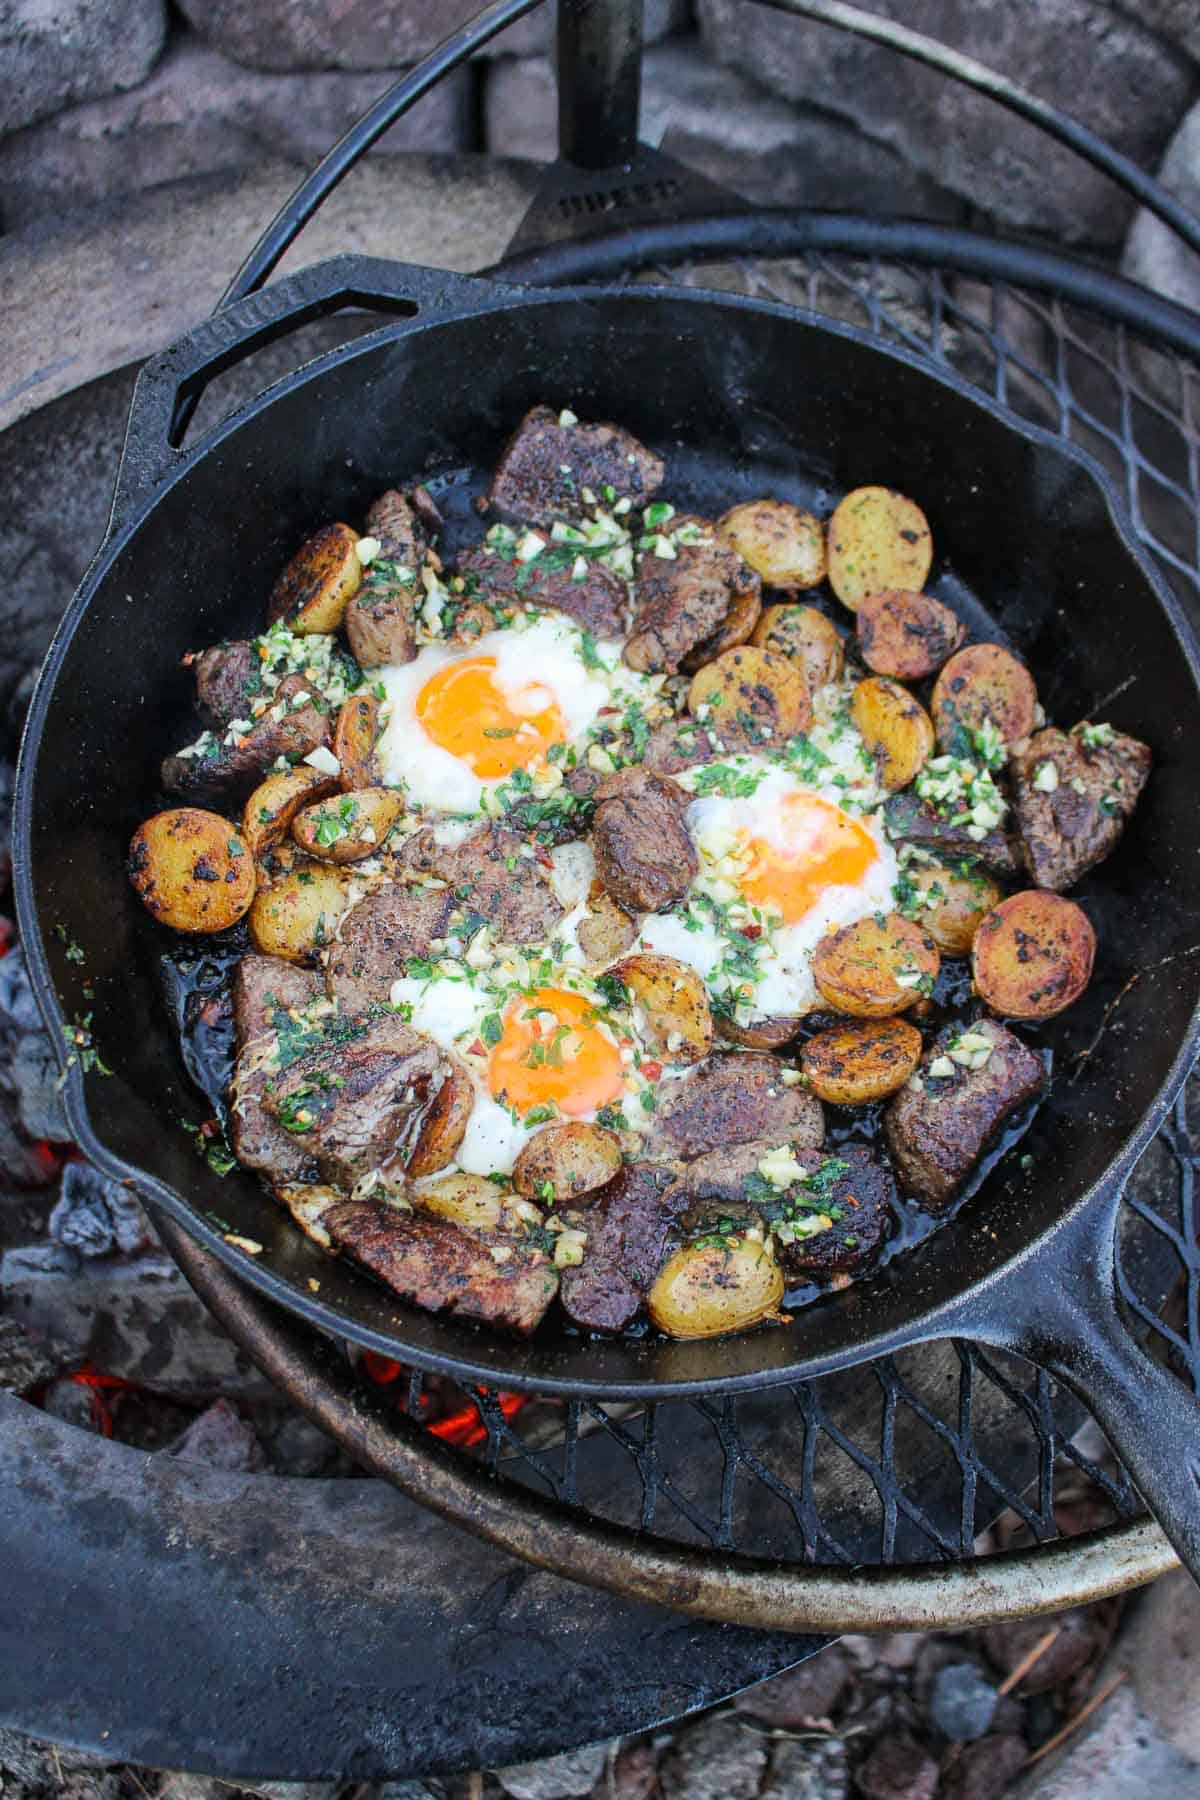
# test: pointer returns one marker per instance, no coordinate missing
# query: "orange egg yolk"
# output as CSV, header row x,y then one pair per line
x,y
813,846
463,709
552,1051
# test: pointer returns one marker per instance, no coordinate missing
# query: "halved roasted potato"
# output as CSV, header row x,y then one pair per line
x,y
782,542
445,1124
749,696
894,727
984,685
950,905
354,738
737,627
348,827
471,1201
319,583
877,539
906,635
297,915
879,965
191,870
1033,955
268,813
707,1289
807,638
562,1162
676,1020
851,1065
607,931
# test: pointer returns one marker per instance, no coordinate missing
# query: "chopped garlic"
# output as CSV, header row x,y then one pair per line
x,y
599,759
941,1068
1045,778
567,418
780,1167
250,1245
530,545
323,760
501,1253
569,1248
367,549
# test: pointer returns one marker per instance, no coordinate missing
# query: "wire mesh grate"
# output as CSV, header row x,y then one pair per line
x,y
943,1452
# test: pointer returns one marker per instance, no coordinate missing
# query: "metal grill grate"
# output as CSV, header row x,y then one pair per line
x,y
916,1458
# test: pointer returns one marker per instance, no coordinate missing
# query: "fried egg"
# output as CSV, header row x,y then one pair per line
x,y
460,722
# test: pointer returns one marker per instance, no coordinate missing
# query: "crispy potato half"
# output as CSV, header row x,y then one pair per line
x,y
878,540
781,542
748,695
297,915
562,1162
806,637
348,827
445,1124
735,628
319,583
952,905
676,1020
906,635
851,1065
471,1201
895,728
1033,955
268,813
354,738
983,685
877,966
191,870
707,1289
607,931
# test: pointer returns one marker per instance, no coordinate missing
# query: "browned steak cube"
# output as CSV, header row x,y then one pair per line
x,y
228,678
406,523
678,744
379,937
436,1265
849,1186
492,878
941,1123
561,817
1072,794
545,467
734,1097
381,620
596,599
363,1103
632,1227
909,820
683,601
229,771
644,856
264,988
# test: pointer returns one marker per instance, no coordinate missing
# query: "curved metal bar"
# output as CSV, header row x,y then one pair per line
x,y
789,231
739,1590
337,163
960,67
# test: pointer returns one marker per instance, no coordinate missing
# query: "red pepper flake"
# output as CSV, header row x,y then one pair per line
x,y
652,1070
476,1049
189,657
545,858
211,1128
608,712
750,931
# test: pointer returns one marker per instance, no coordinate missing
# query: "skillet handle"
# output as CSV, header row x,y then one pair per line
x,y
1074,1330
170,384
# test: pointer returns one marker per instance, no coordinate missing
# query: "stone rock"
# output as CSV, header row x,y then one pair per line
x,y
573,1773
96,1216
807,1771
1077,1640
1116,1754
898,1769
1153,254
1176,20
25,1362
634,1774
717,1758
983,1771
53,52
961,1702
1161,1649
199,112
1128,85
222,1439
795,1698
728,129
362,34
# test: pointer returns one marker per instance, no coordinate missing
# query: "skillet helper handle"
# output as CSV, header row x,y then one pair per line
x,y
170,384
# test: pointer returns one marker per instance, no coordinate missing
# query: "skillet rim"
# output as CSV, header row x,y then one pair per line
x,y
943,1318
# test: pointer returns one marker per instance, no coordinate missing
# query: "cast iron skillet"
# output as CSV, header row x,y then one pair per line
x,y
743,397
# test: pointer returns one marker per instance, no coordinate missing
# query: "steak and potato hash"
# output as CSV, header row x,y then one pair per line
x,y
598,885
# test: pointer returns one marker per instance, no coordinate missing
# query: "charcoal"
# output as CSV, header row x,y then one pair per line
x,y
34,1074
72,1402
25,1361
95,1216
222,1439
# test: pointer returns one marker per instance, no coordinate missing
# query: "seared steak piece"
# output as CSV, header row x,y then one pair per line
x,y
1072,795
545,466
910,821
734,1097
936,1130
379,936
564,816
678,744
263,987
364,1102
597,601
644,856
632,1227
860,1201
490,877
381,620
228,679
436,1265
229,771
683,601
